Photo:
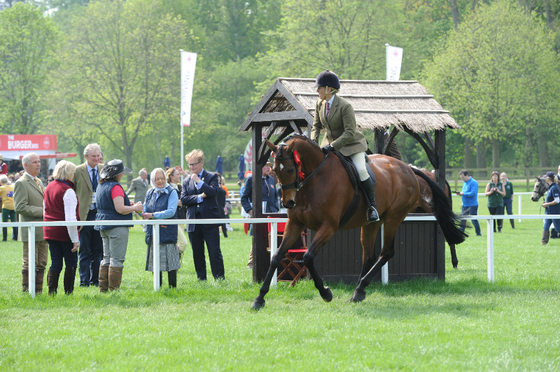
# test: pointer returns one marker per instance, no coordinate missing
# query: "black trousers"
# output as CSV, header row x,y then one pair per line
x,y
91,253
211,235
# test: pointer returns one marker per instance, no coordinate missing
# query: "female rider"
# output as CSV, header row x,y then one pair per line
x,y
336,115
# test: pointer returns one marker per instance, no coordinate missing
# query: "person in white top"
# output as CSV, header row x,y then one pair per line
x,y
61,204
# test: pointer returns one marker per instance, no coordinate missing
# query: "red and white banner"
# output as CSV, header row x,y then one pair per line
x,y
188,65
28,142
394,62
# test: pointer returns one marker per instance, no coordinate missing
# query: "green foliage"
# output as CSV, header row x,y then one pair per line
x,y
497,73
28,44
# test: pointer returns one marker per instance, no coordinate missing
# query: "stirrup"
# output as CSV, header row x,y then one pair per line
x,y
370,211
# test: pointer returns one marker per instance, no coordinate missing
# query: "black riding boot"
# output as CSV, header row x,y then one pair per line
x,y
369,189
172,277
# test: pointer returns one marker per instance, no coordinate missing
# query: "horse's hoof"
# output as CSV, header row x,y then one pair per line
x,y
328,295
358,296
257,305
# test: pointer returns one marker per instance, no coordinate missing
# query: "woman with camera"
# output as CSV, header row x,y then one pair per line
x,y
495,193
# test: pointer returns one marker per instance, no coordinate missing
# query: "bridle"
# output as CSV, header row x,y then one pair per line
x,y
298,183
540,185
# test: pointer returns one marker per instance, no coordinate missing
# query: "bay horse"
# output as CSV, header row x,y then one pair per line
x,y
317,190
426,196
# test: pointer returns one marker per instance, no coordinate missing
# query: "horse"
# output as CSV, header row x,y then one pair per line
x,y
541,187
426,196
317,191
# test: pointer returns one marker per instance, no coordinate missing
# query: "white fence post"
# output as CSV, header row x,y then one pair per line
x,y
31,260
490,248
273,249
384,268
155,252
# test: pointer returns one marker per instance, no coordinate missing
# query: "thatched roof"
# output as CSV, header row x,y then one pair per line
x,y
378,104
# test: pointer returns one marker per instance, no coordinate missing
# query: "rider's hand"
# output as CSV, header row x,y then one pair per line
x,y
328,148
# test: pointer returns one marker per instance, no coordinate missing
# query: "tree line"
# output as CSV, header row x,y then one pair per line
x,y
108,71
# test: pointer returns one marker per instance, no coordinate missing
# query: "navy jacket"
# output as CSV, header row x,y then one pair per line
x,y
106,208
208,208
167,233
269,196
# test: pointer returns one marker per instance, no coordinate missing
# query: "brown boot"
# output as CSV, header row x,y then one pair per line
x,y
39,279
25,280
115,277
69,279
103,279
545,237
52,281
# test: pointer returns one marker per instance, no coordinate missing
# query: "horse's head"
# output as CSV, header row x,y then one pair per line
x,y
541,186
287,170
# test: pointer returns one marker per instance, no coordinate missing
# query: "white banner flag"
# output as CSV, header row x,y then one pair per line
x,y
188,65
394,61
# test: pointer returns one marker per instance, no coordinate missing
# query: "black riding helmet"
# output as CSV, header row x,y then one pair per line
x,y
327,79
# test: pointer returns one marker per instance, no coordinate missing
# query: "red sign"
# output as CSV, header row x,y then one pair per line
x,y
27,142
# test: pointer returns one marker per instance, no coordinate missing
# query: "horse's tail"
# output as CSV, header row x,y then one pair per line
x,y
442,210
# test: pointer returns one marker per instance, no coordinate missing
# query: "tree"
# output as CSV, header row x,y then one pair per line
x,y
498,73
123,61
28,41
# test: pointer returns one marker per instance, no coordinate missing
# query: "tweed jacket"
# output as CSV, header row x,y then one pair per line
x,y
140,189
83,188
28,203
341,132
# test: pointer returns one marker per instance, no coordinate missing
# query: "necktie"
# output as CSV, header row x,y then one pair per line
x,y
327,110
93,179
39,184
266,184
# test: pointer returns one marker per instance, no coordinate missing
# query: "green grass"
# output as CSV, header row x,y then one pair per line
x,y
463,323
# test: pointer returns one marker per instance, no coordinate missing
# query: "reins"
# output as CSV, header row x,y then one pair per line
x,y
297,184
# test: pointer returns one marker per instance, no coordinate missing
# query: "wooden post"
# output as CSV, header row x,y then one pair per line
x,y
261,258
440,180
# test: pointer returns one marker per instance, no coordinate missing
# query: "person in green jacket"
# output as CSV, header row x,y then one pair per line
x,y
495,193
508,200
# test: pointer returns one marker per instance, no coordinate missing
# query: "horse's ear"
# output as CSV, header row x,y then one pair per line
x,y
291,146
271,145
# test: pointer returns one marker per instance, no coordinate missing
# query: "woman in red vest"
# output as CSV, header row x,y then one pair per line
x,y
61,204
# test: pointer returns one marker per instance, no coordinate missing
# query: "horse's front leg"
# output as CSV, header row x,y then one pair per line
x,y
321,238
291,233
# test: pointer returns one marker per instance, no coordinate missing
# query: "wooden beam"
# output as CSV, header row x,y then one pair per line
x,y
277,116
432,156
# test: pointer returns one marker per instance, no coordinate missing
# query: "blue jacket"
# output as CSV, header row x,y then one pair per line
x,y
162,206
268,195
553,193
470,193
208,207
106,208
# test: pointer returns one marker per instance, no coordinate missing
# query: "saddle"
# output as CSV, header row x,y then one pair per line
x,y
356,184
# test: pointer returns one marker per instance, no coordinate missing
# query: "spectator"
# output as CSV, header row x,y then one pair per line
x,y
219,165
8,212
161,203
221,198
28,203
495,193
3,166
15,166
174,180
508,198
86,180
140,186
268,198
166,162
199,196
469,195
113,204
61,204
552,206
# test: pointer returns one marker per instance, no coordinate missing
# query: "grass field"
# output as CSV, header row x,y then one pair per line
x,y
463,323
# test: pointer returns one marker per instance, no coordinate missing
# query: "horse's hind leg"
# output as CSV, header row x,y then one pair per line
x,y
321,238
386,253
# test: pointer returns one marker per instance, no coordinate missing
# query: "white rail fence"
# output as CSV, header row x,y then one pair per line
x,y
273,242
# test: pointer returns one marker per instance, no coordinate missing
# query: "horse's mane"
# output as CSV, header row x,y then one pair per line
x,y
295,136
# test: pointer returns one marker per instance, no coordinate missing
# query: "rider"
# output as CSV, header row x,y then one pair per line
x,y
336,115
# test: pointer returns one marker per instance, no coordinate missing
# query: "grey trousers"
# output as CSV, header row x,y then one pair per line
x,y
115,242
